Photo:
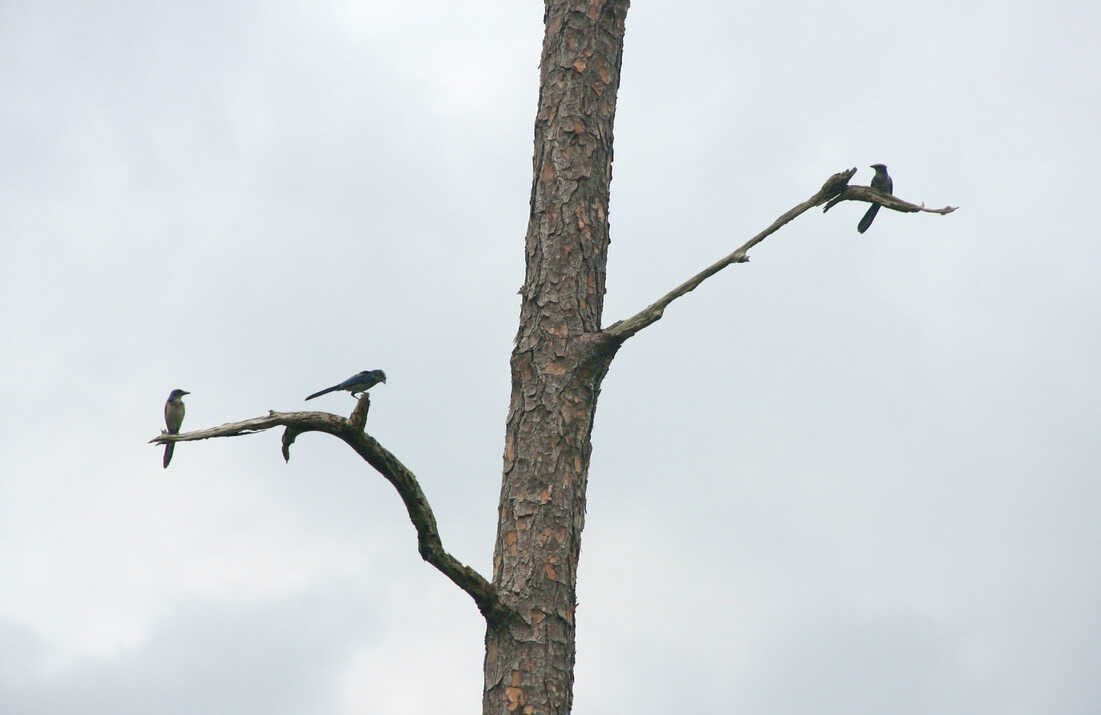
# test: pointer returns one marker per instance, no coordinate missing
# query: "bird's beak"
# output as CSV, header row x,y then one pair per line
x,y
185,392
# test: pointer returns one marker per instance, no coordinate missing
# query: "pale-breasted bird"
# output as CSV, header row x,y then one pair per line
x,y
173,418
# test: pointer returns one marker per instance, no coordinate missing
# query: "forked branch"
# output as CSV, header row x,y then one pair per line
x,y
350,430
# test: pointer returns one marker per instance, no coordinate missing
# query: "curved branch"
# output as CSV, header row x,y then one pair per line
x,y
390,467
623,329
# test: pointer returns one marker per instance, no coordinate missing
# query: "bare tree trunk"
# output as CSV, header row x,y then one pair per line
x,y
561,356
558,363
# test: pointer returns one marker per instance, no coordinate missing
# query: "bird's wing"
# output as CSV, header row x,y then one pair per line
x,y
353,381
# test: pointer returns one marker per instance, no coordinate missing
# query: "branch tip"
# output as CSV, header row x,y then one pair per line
x,y
289,435
358,418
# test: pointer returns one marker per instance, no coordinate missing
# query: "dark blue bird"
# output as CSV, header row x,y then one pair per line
x,y
173,418
356,384
880,182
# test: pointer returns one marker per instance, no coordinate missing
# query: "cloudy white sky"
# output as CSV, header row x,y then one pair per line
x,y
857,475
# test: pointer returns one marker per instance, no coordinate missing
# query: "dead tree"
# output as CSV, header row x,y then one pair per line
x,y
561,356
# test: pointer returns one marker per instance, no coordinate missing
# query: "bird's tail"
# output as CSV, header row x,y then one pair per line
x,y
869,216
327,390
168,450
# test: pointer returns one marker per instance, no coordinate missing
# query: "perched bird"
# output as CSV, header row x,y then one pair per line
x,y
880,182
173,418
356,384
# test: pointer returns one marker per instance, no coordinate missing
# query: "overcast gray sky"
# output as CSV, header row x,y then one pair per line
x,y
857,475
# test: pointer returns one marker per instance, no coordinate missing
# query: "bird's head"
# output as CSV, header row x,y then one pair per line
x,y
177,394
879,167
380,375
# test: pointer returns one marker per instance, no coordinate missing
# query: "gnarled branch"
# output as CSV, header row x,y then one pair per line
x,y
350,430
623,329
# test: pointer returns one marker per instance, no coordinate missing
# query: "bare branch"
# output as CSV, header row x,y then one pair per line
x,y
887,201
623,329
405,482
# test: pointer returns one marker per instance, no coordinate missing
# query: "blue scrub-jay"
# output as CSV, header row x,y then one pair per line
x,y
173,418
356,384
880,182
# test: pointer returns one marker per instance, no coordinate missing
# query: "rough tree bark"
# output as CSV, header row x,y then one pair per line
x,y
558,363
